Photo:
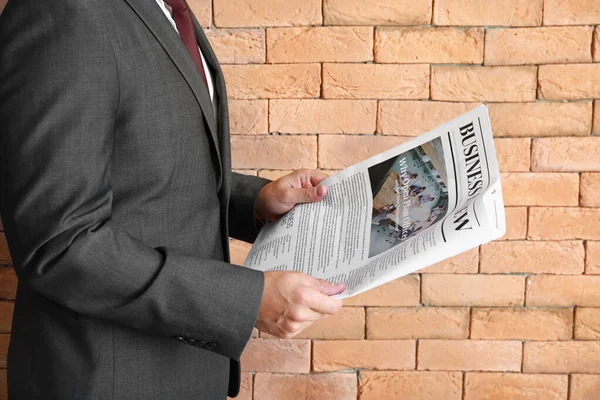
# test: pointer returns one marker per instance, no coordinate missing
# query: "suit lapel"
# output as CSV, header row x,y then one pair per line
x,y
153,17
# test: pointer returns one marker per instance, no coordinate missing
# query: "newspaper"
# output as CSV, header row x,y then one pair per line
x,y
412,206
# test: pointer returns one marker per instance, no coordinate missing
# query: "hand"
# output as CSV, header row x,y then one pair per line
x,y
292,301
278,197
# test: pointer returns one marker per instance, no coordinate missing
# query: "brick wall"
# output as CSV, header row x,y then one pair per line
x,y
326,83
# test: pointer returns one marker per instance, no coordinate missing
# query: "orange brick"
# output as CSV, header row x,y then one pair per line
x,y
493,385
596,123
502,84
569,82
347,324
429,45
513,154
246,387
592,260
563,291
516,223
248,117
566,154
541,119
584,387
244,13
397,293
4,251
561,357
376,81
238,46
464,263
590,190
273,174
422,385
320,44
596,45
323,116
491,12
469,355
336,355
557,223
274,355
522,323
377,12
518,46
540,189
417,323
273,81
285,152
532,257
6,314
4,342
339,386
571,12
337,151
239,251
412,118
8,283
587,323
202,9
472,290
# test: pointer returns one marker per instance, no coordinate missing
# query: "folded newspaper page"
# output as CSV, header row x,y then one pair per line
x,y
412,206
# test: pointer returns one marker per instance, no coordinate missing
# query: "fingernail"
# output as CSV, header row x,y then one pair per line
x,y
320,191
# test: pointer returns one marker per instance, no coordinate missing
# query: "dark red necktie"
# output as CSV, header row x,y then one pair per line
x,y
183,20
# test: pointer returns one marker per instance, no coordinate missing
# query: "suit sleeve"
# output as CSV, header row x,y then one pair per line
x,y
242,216
59,96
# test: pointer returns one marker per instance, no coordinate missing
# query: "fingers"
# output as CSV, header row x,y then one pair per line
x,y
306,195
315,177
317,301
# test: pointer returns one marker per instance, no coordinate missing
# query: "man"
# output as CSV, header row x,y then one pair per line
x,y
117,201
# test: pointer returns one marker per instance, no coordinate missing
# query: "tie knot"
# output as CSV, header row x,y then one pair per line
x,y
177,5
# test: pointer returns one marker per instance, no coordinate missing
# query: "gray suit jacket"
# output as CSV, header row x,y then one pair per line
x,y
117,201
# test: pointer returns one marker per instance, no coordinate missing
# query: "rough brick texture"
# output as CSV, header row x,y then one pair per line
x,y
472,290
410,385
540,189
340,386
417,322
569,82
558,223
563,291
491,12
571,12
518,46
566,154
327,83
587,323
323,44
376,81
493,385
541,119
431,45
561,357
469,355
501,84
554,257
377,12
584,387
522,323
333,355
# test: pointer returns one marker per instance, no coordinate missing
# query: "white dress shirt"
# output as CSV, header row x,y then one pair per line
x,y
167,11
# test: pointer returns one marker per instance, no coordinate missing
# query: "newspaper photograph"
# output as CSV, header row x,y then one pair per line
x,y
395,213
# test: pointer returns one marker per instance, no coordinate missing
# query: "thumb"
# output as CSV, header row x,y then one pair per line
x,y
308,195
328,288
